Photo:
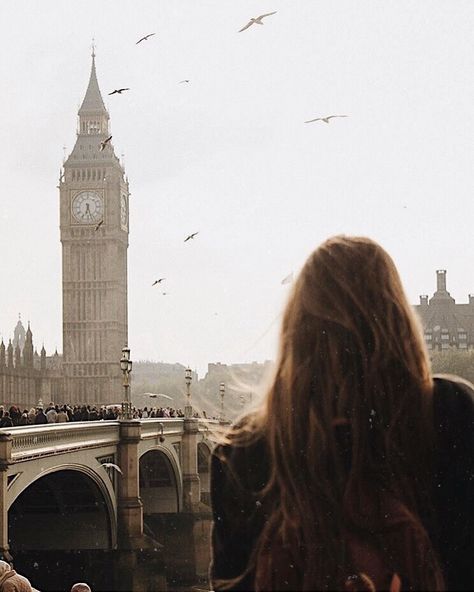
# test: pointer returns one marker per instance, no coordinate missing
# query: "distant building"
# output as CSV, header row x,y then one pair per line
x,y
446,324
26,376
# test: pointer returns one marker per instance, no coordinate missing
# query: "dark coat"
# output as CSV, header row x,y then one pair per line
x,y
238,517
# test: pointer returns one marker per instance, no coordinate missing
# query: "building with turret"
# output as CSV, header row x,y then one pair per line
x,y
446,323
27,377
94,226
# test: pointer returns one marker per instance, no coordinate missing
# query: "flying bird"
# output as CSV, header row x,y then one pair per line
x,y
190,236
325,119
118,91
257,20
145,38
155,395
165,293
104,143
108,465
99,224
158,281
288,279
182,81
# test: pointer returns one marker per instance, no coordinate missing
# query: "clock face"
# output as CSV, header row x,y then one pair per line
x,y
123,212
88,207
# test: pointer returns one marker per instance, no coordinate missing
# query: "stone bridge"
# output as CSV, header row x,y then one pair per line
x,y
60,493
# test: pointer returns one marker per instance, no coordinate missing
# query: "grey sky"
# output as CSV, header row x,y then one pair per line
x,y
228,155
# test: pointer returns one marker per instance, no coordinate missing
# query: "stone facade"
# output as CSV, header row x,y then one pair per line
x,y
94,224
446,324
27,377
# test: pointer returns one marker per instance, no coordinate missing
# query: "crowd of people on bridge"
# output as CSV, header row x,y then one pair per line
x,y
53,413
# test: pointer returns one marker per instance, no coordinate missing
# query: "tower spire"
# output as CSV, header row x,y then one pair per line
x,y
93,103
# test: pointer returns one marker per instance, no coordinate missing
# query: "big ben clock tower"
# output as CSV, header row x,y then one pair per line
x,y
94,200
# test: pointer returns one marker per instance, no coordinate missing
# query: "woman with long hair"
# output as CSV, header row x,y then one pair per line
x,y
357,470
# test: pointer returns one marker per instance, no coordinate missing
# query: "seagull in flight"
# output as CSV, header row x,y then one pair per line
x,y
183,81
155,395
288,279
118,91
99,225
104,143
108,465
145,38
325,119
257,20
158,281
190,236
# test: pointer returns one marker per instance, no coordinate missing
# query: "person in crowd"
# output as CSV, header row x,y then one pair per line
x,y
40,418
52,414
6,420
24,418
81,587
62,415
15,415
31,416
10,581
356,471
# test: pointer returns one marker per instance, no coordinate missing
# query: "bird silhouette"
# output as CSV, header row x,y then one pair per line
x,y
257,20
99,224
325,119
158,281
118,91
104,143
155,395
288,279
108,465
182,81
165,293
145,38
190,236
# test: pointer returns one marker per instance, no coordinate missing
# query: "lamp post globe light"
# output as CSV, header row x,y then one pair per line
x,y
126,367
222,394
188,409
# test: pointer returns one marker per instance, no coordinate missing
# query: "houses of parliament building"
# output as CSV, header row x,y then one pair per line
x,y
94,228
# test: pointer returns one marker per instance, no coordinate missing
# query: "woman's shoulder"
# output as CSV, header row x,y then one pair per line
x,y
242,455
453,407
453,398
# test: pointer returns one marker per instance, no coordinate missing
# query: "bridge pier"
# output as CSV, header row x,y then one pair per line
x,y
5,461
133,545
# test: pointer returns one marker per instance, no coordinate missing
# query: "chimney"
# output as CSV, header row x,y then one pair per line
x,y
441,280
471,298
423,300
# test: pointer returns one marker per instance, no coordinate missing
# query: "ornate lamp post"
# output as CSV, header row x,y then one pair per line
x,y
222,394
188,409
126,367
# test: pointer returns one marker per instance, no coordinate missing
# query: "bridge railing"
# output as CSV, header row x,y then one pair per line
x,y
157,426
36,441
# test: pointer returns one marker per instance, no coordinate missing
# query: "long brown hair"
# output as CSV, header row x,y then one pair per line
x,y
351,352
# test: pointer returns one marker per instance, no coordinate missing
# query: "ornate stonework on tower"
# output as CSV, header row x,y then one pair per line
x,y
94,219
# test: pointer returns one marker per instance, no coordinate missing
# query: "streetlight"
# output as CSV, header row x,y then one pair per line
x,y
188,410
222,394
126,367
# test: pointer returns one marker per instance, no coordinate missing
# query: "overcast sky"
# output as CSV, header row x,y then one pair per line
x,y
229,154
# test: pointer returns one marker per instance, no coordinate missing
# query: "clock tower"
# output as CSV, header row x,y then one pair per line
x,y
94,218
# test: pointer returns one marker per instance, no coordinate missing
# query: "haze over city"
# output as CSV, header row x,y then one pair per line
x,y
228,155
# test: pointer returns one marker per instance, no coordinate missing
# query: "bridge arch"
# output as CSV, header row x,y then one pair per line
x,y
71,502
161,484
